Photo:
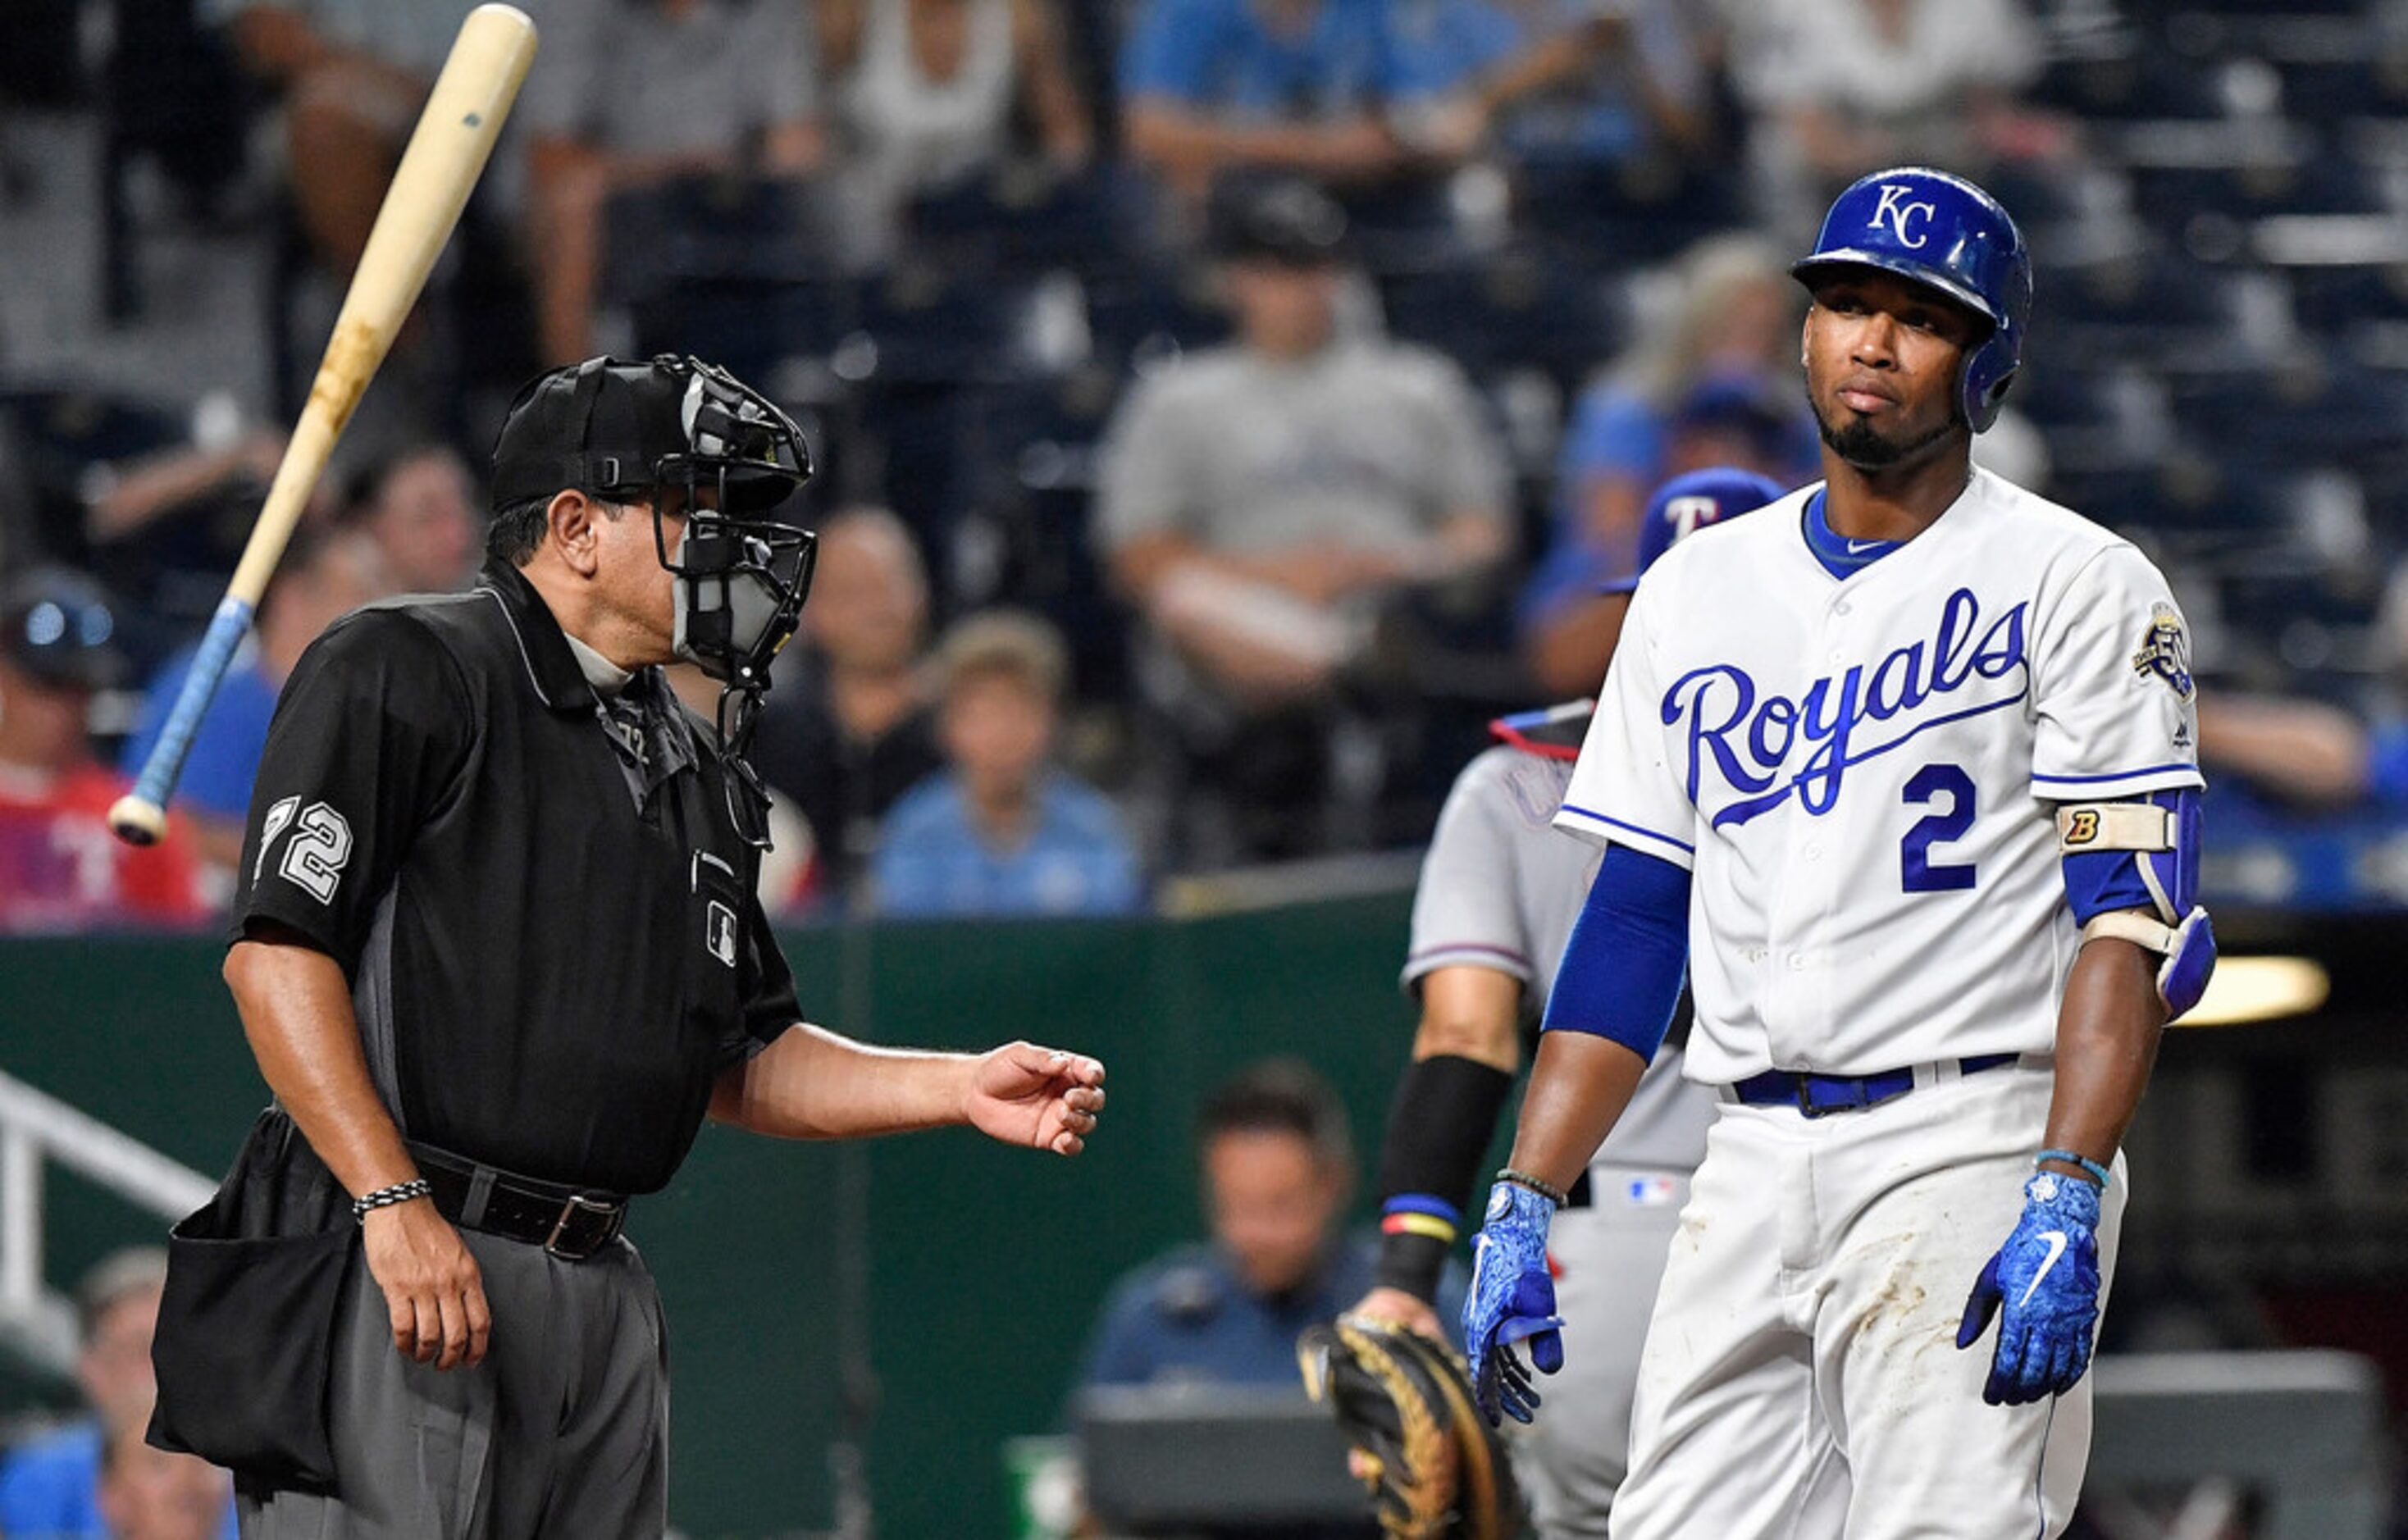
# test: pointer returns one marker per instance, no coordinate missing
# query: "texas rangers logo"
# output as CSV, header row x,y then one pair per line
x,y
1902,216
1972,665
2165,651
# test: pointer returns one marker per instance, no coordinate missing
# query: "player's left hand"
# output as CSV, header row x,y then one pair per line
x,y
1044,1098
1512,1299
2043,1287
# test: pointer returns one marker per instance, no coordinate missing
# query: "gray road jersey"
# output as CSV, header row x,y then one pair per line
x,y
1500,889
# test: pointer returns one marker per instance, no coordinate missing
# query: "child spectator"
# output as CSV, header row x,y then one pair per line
x,y
61,869
1002,832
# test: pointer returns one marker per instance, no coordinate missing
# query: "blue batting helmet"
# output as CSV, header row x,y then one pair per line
x,y
1944,232
1688,504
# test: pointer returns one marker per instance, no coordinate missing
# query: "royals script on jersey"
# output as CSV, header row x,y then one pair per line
x,y
1861,771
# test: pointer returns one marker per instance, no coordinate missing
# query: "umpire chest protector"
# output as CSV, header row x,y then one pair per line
x,y
548,927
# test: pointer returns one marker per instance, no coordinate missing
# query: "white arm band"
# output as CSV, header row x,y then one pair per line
x,y
2132,926
2113,826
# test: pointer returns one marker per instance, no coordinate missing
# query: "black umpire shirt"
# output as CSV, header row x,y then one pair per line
x,y
551,932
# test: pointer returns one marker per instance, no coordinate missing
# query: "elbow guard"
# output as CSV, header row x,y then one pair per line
x,y
2122,858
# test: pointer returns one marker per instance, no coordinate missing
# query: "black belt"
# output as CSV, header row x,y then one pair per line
x,y
572,1223
1820,1095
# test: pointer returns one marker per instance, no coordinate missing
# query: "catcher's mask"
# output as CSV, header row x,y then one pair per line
x,y
703,446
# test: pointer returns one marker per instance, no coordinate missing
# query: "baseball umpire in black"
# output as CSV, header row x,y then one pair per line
x,y
497,955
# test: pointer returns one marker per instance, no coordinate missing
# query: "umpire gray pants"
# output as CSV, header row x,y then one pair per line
x,y
562,1432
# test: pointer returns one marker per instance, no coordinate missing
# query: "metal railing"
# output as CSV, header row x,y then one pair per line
x,y
35,1127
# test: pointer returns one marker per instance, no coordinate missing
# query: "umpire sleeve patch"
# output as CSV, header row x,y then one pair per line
x,y
318,847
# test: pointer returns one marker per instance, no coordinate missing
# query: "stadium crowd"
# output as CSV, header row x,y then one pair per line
x,y
1287,373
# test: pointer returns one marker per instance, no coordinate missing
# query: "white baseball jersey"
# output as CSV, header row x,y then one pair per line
x,y
1860,771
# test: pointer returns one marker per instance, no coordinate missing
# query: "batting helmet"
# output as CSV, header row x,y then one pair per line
x,y
1944,232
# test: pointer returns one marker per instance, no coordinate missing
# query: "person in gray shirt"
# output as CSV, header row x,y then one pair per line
x,y
1258,502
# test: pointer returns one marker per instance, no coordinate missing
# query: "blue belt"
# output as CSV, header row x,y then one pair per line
x,y
1819,1095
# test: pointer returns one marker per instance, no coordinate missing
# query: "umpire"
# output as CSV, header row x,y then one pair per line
x,y
497,954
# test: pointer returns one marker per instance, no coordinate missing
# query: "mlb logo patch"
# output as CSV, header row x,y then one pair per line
x,y
719,932
1651,1192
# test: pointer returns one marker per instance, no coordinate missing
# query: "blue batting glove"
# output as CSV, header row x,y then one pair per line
x,y
1512,1299
2043,1287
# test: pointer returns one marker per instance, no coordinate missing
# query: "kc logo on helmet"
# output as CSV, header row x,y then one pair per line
x,y
1901,217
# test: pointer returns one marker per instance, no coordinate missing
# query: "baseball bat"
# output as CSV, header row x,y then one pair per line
x,y
446,154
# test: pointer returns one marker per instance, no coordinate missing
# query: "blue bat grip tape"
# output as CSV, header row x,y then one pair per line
x,y
227,628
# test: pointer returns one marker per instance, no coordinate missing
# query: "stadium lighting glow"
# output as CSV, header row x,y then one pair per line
x,y
2260,989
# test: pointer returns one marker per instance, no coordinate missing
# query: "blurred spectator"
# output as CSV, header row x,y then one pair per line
x,y
419,505
324,574
84,1481
151,1494
61,869
2302,753
125,497
1259,502
1003,831
1278,1168
1838,88
353,76
852,732
1572,82
640,92
1211,85
1708,384
927,92
1733,421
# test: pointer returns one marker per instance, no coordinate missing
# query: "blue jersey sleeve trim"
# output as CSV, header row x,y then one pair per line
x,y
1632,828
1628,954
2120,774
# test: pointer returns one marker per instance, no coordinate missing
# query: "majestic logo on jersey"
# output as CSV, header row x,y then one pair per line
x,y
1902,217
2165,651
1972,665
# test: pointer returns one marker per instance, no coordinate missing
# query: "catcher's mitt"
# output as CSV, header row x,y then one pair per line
x,y
1434,1468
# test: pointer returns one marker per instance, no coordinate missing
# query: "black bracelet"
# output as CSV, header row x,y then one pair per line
x,y
384,1196
1543,1188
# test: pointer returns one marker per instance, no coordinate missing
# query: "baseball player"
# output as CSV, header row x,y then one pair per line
x,y
1902,767
1500,890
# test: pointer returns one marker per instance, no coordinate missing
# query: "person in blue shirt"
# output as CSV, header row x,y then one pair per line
x,y
51,1485
1573,81
324,576
1299,85
1001,831
1277,1168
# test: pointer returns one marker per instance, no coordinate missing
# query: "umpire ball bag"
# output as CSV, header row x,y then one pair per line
x,y
246,1331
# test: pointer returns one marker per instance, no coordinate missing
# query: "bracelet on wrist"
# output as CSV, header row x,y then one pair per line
x,y
1539,1185
384,1197
2097,1173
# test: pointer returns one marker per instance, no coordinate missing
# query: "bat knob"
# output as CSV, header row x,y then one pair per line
x,y
137,821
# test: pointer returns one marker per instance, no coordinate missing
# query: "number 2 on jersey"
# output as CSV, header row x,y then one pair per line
x,y
1917,873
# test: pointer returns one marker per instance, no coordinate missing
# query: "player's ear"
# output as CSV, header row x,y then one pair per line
x,y
572,519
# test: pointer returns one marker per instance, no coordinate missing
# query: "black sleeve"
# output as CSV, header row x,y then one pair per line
x,y
769,1003
371,729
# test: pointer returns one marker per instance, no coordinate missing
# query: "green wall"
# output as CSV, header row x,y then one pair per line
x,y
984,1264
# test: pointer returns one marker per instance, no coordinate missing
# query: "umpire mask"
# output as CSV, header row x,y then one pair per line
x,y
742,574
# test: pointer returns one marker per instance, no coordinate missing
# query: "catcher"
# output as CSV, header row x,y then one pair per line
x,y
1499,890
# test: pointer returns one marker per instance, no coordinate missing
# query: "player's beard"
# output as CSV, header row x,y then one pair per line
x,y
1864,447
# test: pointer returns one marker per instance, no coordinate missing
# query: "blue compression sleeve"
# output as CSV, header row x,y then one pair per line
x,y
1629,951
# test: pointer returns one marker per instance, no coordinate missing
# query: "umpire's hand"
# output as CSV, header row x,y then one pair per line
x,y
432,1288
